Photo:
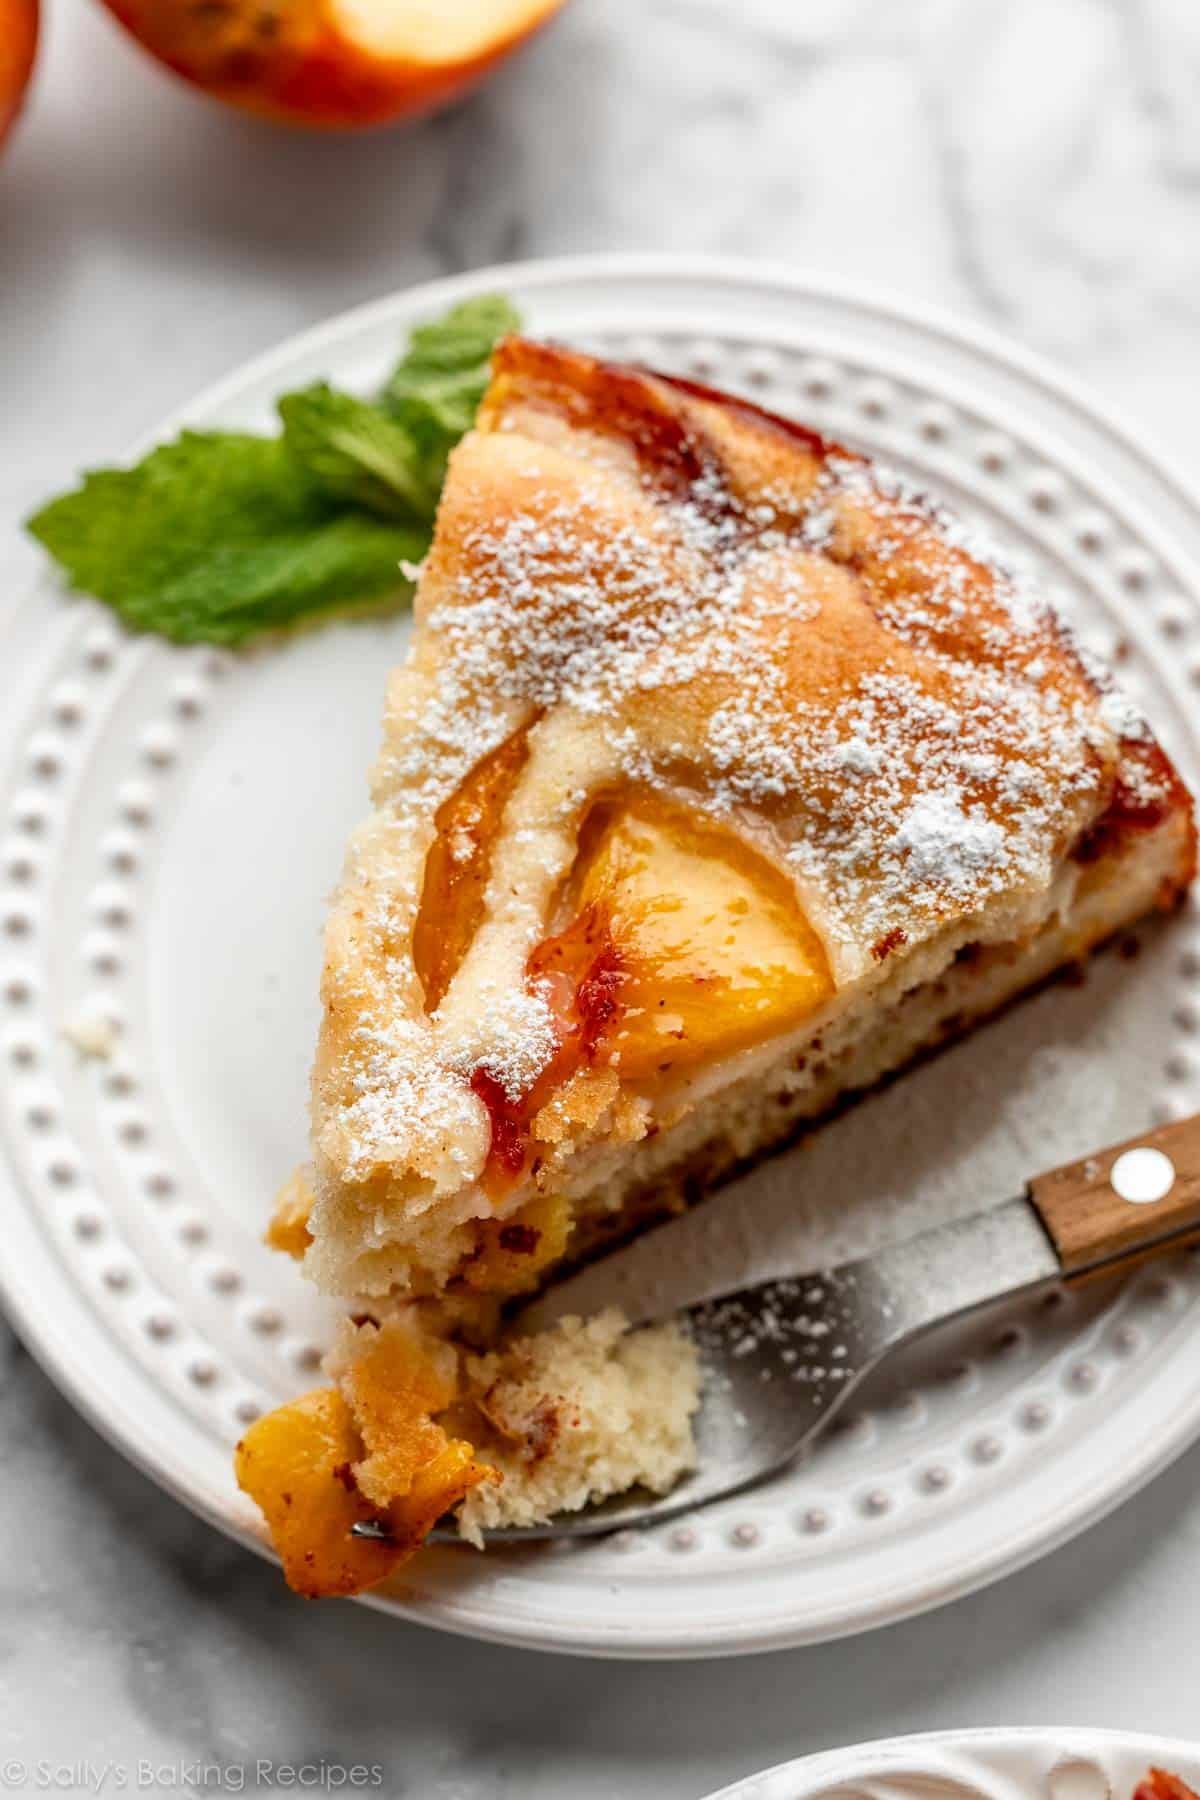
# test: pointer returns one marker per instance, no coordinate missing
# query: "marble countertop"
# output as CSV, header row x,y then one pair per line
x,y
1031,163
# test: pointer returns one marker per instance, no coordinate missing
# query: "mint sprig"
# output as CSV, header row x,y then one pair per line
x,y
357,453
220,536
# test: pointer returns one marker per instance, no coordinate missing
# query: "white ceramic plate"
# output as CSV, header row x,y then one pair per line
x,y
977,1765
171,821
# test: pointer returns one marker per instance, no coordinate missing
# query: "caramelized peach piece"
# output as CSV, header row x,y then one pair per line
x,y
373,1451
295,1463
707,947
513,1252
395,1381
456,868
287,1229
436,1490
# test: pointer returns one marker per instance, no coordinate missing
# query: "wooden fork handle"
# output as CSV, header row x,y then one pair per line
x,y
1120,1205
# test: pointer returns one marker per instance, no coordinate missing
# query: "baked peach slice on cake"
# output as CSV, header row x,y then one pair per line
x,y
725,775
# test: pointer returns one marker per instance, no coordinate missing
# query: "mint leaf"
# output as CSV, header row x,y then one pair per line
x,y
219,536
461,340
222,535
358,453
436,387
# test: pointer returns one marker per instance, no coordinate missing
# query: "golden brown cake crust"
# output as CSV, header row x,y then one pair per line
x,y
656,585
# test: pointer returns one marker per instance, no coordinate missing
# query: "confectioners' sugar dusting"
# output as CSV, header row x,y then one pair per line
x,y
394,1081
853,478
798,1329
514,1040
945,844
935,802
591,618
585,619
939,777
422,768
408,1088
1117,710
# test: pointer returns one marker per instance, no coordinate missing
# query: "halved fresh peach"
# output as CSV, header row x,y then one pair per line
x,y
705,947
333,63
18,47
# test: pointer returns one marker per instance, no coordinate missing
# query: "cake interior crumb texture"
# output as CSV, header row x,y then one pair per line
x,y
580,1412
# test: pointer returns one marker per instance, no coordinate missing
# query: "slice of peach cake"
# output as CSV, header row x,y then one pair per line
x,y
725,775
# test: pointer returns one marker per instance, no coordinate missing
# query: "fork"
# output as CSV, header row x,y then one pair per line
x,y
782,1358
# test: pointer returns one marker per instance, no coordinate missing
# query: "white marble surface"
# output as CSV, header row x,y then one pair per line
x,y
1035,163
